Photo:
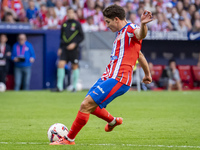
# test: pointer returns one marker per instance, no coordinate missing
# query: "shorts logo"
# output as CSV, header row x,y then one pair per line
x,y
98,87
95,93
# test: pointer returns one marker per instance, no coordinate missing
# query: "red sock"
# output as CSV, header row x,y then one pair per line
x,y
79,122
103,114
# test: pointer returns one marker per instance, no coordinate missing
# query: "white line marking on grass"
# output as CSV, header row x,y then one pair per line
x,y
131,145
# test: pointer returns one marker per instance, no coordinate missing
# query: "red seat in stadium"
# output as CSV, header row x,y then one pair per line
x,y
158,69
196,74
186,76
10,82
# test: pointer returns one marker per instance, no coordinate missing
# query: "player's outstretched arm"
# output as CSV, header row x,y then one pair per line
x,y
143,63
146,17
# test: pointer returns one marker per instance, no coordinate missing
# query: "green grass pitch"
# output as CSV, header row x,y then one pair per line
x,y
152,120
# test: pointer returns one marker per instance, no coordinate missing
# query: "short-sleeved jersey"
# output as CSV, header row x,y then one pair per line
x,y
124,55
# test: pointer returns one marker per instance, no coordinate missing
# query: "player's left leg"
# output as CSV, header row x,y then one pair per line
x,y
87,107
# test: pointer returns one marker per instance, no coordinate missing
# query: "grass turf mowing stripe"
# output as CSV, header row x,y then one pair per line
x,y
131,145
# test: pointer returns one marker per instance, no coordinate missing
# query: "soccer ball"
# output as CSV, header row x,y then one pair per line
x,y
79,87
2,87
56,132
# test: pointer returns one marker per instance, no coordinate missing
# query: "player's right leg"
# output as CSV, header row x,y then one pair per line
x,y
105,115
103,92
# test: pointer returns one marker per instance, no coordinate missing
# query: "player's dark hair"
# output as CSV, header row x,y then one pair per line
x,y
113,11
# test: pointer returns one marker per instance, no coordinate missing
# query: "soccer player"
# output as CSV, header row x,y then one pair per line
x,y
117,78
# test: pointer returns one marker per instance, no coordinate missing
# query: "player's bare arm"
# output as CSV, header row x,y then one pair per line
x,y
146,17
143,63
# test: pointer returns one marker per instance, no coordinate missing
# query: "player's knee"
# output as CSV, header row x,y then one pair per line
x,y
87,106
84,106
61,64
75,66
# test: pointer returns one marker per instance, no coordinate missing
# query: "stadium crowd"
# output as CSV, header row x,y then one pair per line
x,y
170,15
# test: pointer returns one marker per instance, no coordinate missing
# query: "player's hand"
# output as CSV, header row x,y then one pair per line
x,y
59,52
147,79
16,59
32,60
146,17
8,54
71,46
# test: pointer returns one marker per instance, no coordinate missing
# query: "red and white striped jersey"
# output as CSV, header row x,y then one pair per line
x,y
124,55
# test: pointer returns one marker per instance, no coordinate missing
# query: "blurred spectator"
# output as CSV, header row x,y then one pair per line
x,y
187,20
75,4
148,5
9,18
129,7
197,5
161,24
181,27
51,21
99,3
141,4
80,16
119,2
133,18
179,7
15,7
174,81
191,12
107,3
23,56
174,18
98,16
174,2
196,27
32,11
89,10
43,11
159,9
40,21
38,3
198,64
89,26
60,10
25,4
5,54
196,16
168,12
186,4
50,3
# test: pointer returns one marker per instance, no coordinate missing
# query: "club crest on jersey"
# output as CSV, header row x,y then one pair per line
x,y
64,25
130,34
113,57
73,26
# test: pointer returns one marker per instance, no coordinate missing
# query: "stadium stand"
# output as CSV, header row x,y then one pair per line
x,y
186,76
170,15
196,76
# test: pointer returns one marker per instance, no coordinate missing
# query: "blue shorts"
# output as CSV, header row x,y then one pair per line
x,y
104,91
